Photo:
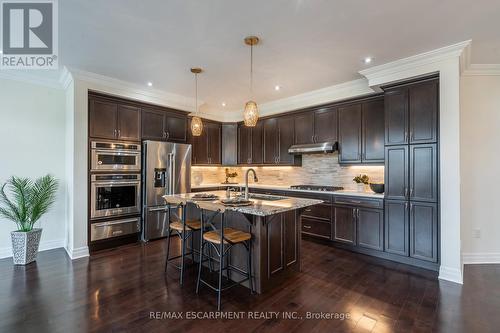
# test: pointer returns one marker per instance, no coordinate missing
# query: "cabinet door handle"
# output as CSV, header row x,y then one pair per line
x,y
406,205
411,192
411,207
168,135
119,133
406,136
164,135
312,138
406,192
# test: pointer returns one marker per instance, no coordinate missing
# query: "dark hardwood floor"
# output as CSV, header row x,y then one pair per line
x,y
117,290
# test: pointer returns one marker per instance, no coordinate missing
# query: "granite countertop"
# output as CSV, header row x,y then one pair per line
x,y
287,188
260,207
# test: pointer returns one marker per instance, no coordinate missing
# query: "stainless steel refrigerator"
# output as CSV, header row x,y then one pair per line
x,y
166,169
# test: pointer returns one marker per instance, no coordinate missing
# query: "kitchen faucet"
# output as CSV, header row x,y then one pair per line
x,y
255,179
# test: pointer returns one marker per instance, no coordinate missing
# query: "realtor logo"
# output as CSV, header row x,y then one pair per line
x,y
29,34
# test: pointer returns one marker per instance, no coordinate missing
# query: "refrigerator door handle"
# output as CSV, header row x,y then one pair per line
x,y
171,172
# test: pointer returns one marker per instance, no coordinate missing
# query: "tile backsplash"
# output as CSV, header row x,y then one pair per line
x,y
316,169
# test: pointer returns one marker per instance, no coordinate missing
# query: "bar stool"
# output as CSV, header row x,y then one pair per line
x,y
183,228
222,240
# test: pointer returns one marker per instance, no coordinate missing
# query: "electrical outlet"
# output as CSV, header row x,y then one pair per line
x,y
476,233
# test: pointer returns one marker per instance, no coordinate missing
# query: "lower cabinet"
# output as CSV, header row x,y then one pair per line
x,y
397,227
316,228
344,225
411,229
370,225
423,231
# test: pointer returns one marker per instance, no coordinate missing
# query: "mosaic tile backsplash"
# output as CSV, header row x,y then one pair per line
x,y
317,169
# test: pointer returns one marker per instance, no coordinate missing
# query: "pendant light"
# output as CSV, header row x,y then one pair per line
x,y
251,112
196,123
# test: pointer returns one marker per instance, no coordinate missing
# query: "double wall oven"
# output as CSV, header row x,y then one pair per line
x,y
115,189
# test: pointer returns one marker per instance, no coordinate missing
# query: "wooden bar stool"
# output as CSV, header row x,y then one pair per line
x,y
222,240
183,228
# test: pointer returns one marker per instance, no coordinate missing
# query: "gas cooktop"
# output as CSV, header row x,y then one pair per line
x,y
317,188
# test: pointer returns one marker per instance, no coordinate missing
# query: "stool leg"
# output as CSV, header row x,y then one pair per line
x,y
210,264
221,260
183,254
192,245
168,248
250,283
202,245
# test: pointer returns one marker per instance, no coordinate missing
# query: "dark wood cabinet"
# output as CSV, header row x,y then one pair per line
x,y
176,127
129,123
161,125
250,145
396,116
361,132
304,128
207,147
278,136
102,119
344,225
257,144
281,243
153,124
424,231
396,172
326,125
214,142
423,106
370,227
319,125
244,144
373,131
396,227
350,134
411,113
270,140
285,141
423,173
110,119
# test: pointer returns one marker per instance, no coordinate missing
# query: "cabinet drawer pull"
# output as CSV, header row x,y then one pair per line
x,y
307,226
308,210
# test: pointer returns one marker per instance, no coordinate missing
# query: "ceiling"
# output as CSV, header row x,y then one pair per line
x,y
306,44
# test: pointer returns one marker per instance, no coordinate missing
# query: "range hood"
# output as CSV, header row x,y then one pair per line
x,y
313,148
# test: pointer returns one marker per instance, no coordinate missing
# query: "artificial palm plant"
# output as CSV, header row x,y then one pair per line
x,y
28,200
25,203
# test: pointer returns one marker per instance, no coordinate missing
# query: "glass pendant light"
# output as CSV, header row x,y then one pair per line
x,y
196,123
251,112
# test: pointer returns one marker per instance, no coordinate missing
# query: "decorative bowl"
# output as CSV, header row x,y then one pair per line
x,y
377,187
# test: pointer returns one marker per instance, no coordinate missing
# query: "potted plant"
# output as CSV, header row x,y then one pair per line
x,y
26,202
361,181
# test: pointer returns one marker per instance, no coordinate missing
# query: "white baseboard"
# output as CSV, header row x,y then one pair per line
x,y
481,258
79,252
451,274
6,252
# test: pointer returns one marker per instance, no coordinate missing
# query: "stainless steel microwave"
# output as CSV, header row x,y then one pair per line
x,y
115,156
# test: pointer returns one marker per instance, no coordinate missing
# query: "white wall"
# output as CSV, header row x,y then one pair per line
x,y
32,119
480,167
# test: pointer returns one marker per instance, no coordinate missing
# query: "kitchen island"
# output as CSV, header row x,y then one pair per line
x,y
274,222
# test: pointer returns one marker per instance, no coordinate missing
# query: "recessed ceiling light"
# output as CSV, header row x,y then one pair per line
x,y
277,87
150,84
1,52
367,60
223,104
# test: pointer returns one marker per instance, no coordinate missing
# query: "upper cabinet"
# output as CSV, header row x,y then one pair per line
x,y
250,144
361,132
118,119
319,125
278,136
109,119
163,125
411,113
207,147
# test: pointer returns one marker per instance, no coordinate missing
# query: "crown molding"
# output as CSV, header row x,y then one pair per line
x,y
350,89
27,77
376,75
106,84
482,70
65,79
